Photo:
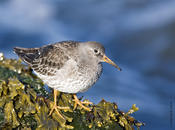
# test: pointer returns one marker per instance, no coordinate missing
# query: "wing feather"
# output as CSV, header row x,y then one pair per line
x,y
47,59
51,59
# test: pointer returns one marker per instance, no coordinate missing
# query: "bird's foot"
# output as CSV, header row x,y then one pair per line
x,y
57,108
80,103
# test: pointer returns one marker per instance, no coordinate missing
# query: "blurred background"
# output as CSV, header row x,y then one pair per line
x,y
138,35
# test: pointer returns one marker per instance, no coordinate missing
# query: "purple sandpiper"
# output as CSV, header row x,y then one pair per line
x,y
67,66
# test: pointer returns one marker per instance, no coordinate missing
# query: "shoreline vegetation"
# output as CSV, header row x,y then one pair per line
x,y
25,104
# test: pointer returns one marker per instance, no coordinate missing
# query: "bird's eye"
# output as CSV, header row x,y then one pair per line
x,y
95,50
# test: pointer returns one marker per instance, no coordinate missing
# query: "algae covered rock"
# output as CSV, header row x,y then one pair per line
x,y
25,104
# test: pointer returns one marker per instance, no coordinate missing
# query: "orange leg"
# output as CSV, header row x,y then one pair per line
x,y
55,107
78,102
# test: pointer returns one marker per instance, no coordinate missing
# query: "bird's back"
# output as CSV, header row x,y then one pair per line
x,y
47,59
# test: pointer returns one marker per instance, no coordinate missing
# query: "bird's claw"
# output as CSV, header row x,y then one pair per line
x,y
78,102
56,108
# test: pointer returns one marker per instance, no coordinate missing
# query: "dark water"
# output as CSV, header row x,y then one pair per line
x,y
138,34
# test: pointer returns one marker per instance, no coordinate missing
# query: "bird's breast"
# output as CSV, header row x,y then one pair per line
x,y
89,75
73,78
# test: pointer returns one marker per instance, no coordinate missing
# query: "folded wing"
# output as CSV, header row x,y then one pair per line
x,y
45,60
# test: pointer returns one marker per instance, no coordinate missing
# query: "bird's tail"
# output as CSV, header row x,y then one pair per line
x,y
27,54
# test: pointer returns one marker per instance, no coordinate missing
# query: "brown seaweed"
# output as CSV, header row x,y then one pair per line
x,y
25,104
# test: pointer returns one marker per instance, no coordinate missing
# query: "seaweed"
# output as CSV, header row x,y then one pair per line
x,y
25,104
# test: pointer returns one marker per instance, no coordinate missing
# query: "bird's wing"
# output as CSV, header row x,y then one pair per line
x,y
27,54
45,60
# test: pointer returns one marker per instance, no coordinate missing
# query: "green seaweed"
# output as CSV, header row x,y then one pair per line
x,y
25,104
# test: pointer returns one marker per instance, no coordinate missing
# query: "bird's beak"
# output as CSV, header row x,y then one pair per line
x,y
107,60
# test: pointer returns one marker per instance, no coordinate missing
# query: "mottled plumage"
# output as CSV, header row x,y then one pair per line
x,y
67,66
47,59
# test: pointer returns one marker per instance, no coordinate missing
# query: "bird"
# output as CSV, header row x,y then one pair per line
x,y
67,66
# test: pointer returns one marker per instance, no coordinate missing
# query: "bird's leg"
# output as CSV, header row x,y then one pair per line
x,y
55,107
78,102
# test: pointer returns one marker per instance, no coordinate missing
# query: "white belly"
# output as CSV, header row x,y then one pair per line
x,y
69,80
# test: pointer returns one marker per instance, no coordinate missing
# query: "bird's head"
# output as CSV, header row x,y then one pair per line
x,y
95,52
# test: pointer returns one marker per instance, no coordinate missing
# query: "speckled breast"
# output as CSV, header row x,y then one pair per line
x,y
73,81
